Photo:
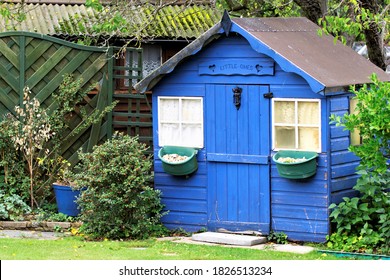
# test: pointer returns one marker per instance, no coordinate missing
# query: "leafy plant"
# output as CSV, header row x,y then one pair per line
x,y
277,237
39,134
363,222
12,207
118,202
32,130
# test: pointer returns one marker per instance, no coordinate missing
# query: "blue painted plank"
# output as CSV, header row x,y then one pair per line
x,y
182,192
300,212
337,197
339,144
339,103
338,131
299,199
343,170
293,91
181,219
307,237
301,186
344,183
300,226
185,205
168,89
236,158
341,157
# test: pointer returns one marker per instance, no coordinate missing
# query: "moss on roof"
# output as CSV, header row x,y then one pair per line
x,y
167,22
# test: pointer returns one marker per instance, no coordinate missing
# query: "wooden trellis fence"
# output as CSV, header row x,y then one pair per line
x,y
40,62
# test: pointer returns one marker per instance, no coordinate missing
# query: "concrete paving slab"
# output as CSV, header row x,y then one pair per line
x,y
290,248
229,239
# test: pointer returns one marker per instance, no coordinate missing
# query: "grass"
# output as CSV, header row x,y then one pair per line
x,y
75,248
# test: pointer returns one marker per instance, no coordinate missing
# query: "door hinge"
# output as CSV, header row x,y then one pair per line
x,y
268,95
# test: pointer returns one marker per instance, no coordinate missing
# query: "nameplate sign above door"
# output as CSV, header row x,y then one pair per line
x,y
241,67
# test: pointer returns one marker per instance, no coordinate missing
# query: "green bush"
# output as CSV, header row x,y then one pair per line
x,y
363,222
119,201
12,207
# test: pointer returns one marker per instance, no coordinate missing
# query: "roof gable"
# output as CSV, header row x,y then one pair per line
x,y
294,44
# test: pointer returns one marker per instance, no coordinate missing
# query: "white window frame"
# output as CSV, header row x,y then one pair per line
x,y
180,122
296,125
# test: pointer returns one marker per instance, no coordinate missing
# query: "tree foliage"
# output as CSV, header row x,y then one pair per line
x,y
363,222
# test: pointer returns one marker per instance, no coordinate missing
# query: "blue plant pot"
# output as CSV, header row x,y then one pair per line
x,y
66,200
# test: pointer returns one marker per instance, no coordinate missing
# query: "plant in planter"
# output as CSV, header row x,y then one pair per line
x,y
65,190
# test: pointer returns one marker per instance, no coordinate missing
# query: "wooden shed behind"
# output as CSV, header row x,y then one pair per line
x,y
244,90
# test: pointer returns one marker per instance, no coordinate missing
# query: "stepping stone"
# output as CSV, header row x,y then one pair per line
x,y
228,239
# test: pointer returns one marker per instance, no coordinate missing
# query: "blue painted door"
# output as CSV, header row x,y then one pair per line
x,y
238,147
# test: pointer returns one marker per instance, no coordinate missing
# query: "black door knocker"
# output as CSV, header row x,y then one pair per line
x,y
237,97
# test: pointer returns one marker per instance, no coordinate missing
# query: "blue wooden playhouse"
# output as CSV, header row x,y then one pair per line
x,y
244,91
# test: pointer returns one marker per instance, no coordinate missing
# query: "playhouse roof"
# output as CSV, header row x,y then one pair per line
x,y
173,20
294,43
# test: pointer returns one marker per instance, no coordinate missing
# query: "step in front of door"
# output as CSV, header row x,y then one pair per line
x,y
228,239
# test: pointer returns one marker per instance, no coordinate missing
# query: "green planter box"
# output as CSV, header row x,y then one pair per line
x,y
296,164
180,168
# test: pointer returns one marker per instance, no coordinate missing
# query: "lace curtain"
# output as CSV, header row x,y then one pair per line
x,y
180,121
297,125
151,60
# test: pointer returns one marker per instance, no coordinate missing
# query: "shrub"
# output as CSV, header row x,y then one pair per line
x,y
12,207
363,222
119,201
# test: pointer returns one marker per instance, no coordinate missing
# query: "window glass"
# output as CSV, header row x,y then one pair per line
x,y
308,113
169,110
285,112
180,121
296,124
285,137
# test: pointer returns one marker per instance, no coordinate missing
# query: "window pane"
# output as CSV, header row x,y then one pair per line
x,y
192,135
284,112
169,110
169,134
308,138
308,113
191,110
285,137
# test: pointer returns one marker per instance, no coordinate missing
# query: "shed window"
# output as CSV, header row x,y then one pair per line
x,y
296,124
180,121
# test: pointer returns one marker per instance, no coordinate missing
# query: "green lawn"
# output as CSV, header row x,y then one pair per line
x,y
74,248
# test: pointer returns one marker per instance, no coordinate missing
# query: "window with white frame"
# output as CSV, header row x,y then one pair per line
x,y
180,121
296,124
